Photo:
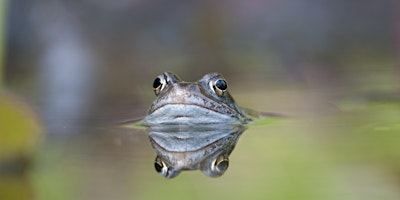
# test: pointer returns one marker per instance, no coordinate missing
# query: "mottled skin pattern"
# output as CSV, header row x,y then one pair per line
x,y
201,94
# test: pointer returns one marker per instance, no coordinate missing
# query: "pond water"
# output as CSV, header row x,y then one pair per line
x,y
74,69
347,149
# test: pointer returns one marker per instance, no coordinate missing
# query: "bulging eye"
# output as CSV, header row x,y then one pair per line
x,y
160,167
220,164
219,87
163,169
221,84
159,84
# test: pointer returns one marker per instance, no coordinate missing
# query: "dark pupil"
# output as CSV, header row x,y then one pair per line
x,y
223,165
221,84
157,83
158,167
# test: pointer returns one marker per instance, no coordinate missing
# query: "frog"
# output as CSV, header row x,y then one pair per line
x,y
205,101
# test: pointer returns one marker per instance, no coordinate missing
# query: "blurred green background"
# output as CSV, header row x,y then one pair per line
x,y
72,69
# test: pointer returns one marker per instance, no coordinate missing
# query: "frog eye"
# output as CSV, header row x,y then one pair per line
x,y
161,167
219,87
159,84
220,164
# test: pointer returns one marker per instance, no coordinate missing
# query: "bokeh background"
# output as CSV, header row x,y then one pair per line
x,y
72,69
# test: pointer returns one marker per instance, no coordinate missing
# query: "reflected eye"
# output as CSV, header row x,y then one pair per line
x,y
219,87
159,84
160,167
220,164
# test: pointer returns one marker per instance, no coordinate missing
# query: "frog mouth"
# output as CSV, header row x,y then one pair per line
x,y
210,107
192,106
178,110
188,114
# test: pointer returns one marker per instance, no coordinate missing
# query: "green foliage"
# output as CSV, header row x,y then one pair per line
x,y
19,128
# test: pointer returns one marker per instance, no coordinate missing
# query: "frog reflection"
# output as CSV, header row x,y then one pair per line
x,y
206,148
